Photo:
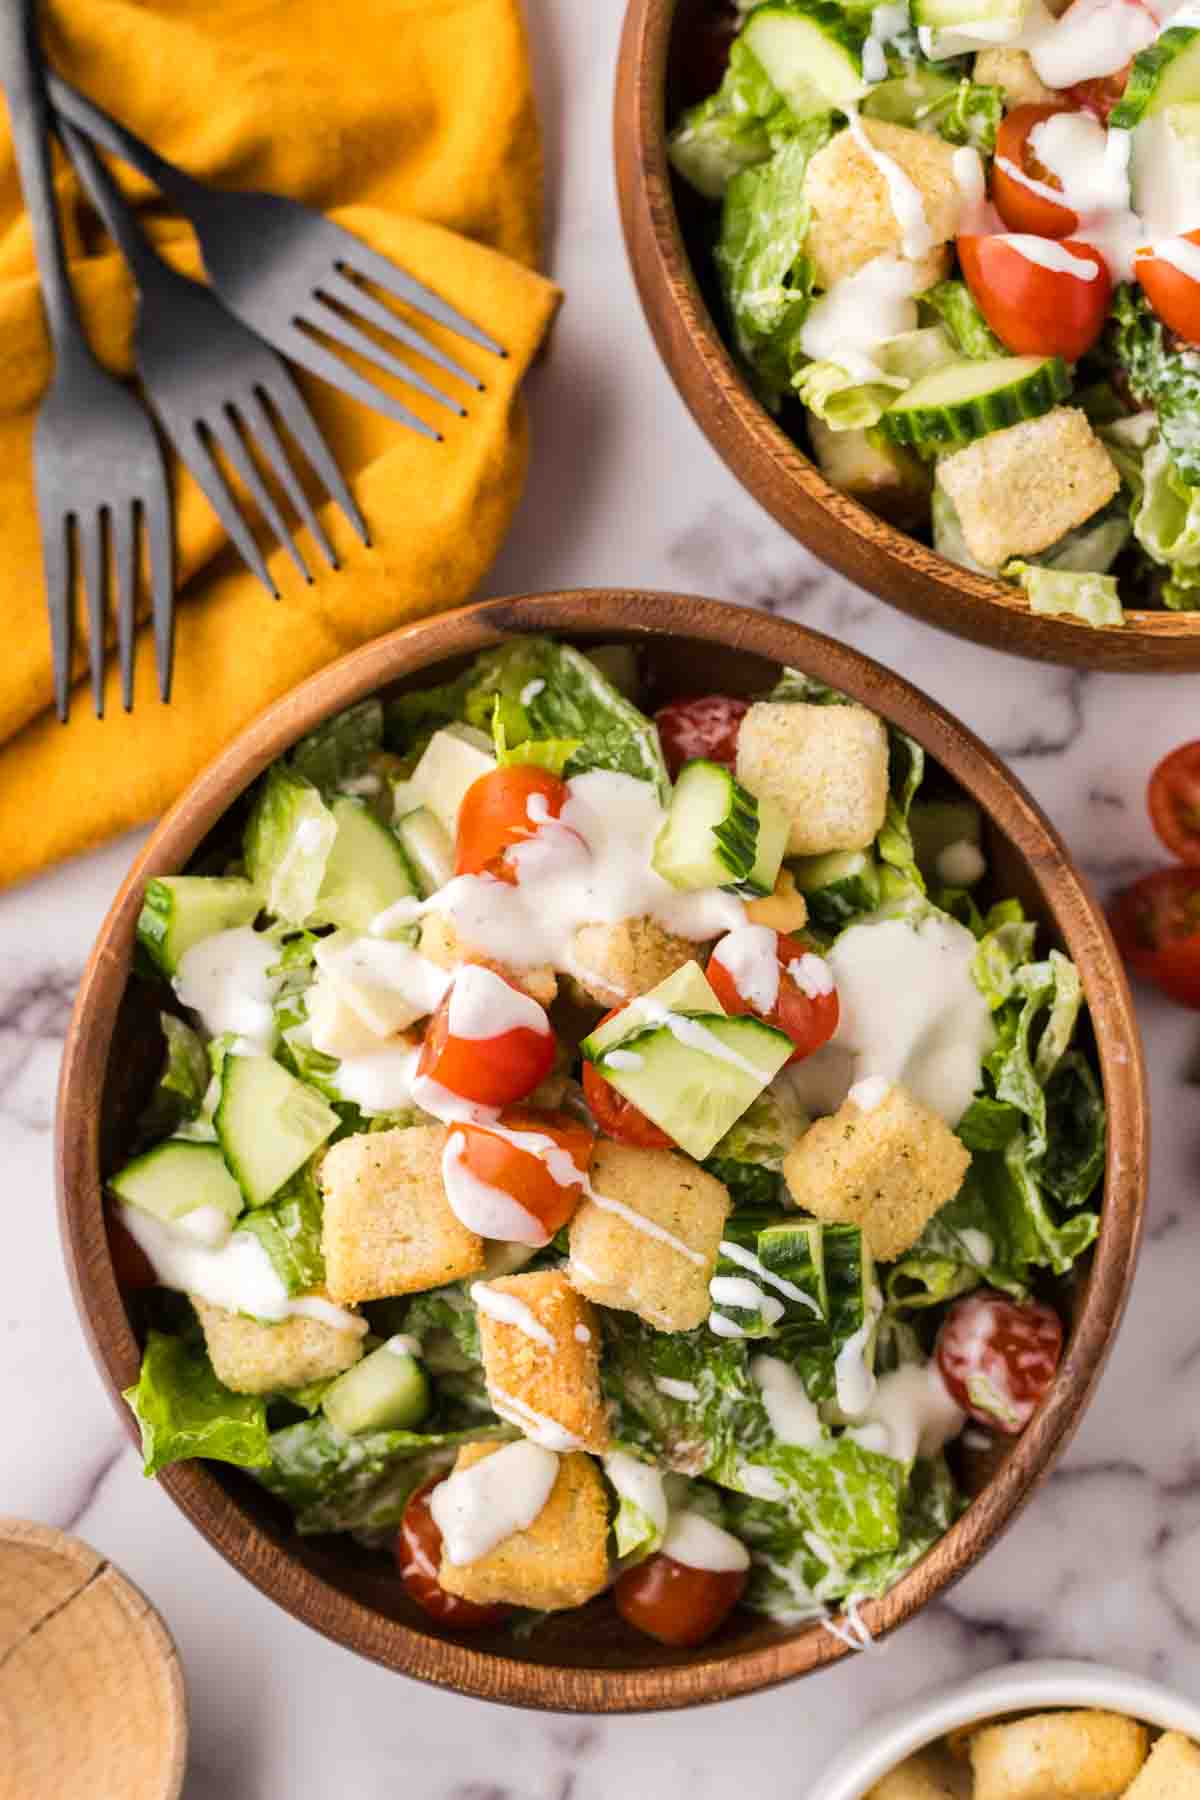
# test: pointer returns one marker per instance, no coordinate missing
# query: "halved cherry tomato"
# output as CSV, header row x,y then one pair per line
x,y
616,1116
674,1603
525,1174
418,1553
1174,296
1018,205
495,815
810,1020
1099,95
1033,310
1156,923
494,1071
131,1266
999,1358
1175,801
707,726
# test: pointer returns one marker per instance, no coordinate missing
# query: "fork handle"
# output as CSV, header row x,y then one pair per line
x,y
22,79
87,117
108,200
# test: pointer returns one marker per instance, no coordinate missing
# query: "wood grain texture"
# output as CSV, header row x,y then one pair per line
x,y
588,1661
876,555
91,1695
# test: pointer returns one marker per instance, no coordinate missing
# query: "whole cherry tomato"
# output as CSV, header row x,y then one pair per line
x,y
496,813
418,1553
1156,923
804,1007
1173,293
1021,207
1035,310
1175,801
616,1116
707,726
676,1604
532,1174
999,1358
494,1068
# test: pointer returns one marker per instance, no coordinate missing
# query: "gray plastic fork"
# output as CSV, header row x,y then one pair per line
x,y
288,272
215,386
96,454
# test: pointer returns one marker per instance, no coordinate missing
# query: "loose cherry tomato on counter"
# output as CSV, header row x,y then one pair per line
x,y
418,1553
1033,309
537,1176
809,1018
674,1603
496,813
494,1068
707,726
616,1116
1021,208
1172,292
1174,799
1099,95
131,1266
999,1358
1156,923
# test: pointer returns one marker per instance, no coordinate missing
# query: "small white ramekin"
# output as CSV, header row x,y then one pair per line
x,y
1018,1687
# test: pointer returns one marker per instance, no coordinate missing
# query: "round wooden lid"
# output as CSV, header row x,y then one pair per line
x,y
92,1701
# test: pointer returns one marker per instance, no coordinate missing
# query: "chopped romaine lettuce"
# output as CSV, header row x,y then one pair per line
x,y
179,1092
638,1532
288,839
1166,523
184,1411
901,878
955,306
733,129
750,1156
848,402
1166,379
1093,598
447,1324
289,1230
340,749
543,753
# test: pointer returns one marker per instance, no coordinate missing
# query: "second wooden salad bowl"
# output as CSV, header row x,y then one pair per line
x,y
587,1661
665,236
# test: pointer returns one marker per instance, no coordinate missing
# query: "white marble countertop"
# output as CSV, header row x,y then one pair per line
x,y
1105,1564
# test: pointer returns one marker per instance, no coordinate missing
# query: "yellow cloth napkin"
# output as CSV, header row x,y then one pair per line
x,y
413,122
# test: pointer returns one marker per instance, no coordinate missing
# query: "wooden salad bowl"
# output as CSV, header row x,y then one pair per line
x,y
665,233
587,1661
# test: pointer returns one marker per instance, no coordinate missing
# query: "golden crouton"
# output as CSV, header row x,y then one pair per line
x,y
1058,1756
560,1560
853,220
660,1269
827,766
1172,1771
784,910
1019,490
388,1226
886,1170
251,1358
929,1775
618,962
890,480
542,1361
1013,71
441,943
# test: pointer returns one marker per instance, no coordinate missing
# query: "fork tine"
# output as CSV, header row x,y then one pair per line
x,y
90,530
365,261
288,402
261,427
335,326
56,571
199,459
122,524
159,520
339,287
321,361
224,429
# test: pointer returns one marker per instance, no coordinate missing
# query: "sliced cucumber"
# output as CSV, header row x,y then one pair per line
x,y
1165,73
718,835
937,825
792,1252
966,400
695,1074
811,52
387,1391
838,886
268,1124
429,849
452,761
795,1250
687,990
175,1178
968,15
179,910
367,870
911,98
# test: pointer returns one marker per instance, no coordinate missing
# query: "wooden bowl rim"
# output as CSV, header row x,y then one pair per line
x,y
895,566
598,614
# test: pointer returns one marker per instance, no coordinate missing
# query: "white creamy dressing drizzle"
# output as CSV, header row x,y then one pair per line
x,y
746,1259
888,22
1093,166
537,1426
207,1225
962,864
402,1344
1181,253
640,1483
794,1417
676,1390
976,214
510,1311
870,1093
380,1081
531,690
740,1291
916,237
859,312
484,1005
489,1211
477,1508
1047,253
224,980
750,956
978,1245
854,1379
582,1335
910,1415
387,985
640,1222
812,975
695,1035
315,1306
360,787
696,1542
624,1059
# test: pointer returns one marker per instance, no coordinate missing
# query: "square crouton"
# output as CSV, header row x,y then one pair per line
x,y
251,1358
887,1170
1058,1756
1019,490
929,1775
784,910
1172,1771
388,1226
853,220
826,766
647,1239
1014,73
560,1560
613,963
441,943
541,1359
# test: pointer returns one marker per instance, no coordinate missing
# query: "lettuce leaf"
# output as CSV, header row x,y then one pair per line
x,y
749,1158
179,1092
846,401
287,843
289,1230
1095,599
184,1411
955,306
339,750
1166,379
1166,523
901,878
735,128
